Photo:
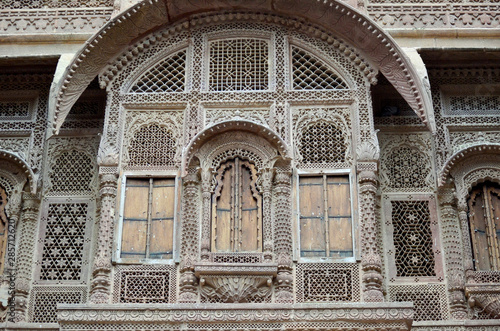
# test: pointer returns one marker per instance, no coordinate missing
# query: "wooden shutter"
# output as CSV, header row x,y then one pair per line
x,y
325,216
135,219
339,216
312,221
162,219
236,209
148,218
484,222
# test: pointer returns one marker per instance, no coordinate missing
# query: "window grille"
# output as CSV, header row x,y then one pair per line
x,y
309,73
323,143
430,301
325,216
44,300
14,109
152,146
238,65
167,76
405,168
148,218
72,173
413,242
65,242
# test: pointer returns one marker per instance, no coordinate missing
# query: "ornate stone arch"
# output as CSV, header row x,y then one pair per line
x,y
332,16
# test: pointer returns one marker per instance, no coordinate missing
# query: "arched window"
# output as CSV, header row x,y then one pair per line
x,y
236,208
484,224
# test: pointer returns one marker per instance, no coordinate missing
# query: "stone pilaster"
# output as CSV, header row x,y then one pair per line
x,y
267,224
283,235
466,244
206,221
453,253
371,261
24,255
189,238
100,291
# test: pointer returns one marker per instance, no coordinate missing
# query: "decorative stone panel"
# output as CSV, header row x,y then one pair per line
x,y
145,284
430,301
327,282
44,300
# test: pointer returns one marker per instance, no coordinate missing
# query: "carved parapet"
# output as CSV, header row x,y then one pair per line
x,y
486,297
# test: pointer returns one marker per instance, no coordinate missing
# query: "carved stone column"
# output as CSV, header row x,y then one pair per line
x,y
266,181
283,235
467,248
189,238
452,248
24,256
206,204
100,291
371,261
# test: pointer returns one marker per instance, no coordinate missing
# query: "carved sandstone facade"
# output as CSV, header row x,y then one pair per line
x,y
249,165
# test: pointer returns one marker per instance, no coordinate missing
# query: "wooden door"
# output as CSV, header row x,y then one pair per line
x,y
236,209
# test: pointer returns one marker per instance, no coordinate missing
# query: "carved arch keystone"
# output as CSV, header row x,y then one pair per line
x,y
332,15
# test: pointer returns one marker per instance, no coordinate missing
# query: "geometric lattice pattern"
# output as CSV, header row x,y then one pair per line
x,y
430,301
475,105
167,76
412,239
322,142
44,300
72,172
145,284
327,282
14,109
406,168
487,277
40,4
310,73
62,255
152,145
239,65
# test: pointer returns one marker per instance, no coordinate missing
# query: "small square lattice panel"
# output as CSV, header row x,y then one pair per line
x,y
327,282
239,65
430,301
152,145
72,173
14,110
44,300
145,284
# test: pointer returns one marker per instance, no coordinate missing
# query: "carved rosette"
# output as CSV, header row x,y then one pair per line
x,y
24,256
283,230
371,261
101,271
452,247
189,247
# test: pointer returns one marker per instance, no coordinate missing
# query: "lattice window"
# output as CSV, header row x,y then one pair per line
x,y
65,242
475,105
44,300
405,168
152,146
325,216
484,224
14,109
413,241
310,73
144,284
72,173
323,143
167,76
238,65
430,301
328,282
148,218
40,4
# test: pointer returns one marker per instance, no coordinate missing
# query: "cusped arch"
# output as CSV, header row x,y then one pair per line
x,y
472,154
253,141
332,16
21,165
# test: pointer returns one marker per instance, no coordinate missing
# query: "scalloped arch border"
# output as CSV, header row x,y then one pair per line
x,y
23,165
148,15
456,158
